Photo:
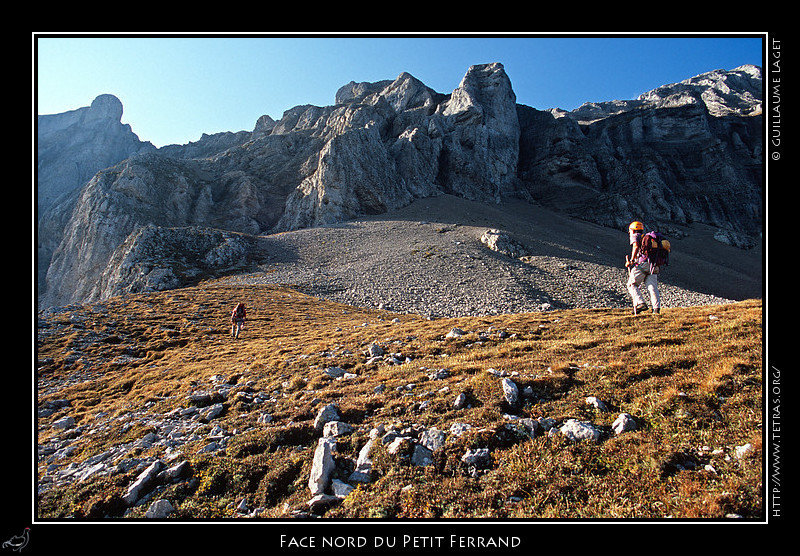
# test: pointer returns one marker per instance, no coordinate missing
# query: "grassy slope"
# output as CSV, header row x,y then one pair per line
x,y
691,377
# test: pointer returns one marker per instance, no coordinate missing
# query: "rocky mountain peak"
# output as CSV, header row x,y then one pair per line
x,y
73,146
723,93
106,106
720,92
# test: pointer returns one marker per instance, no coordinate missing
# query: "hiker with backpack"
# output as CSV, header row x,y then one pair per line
x,y
649,252
238,316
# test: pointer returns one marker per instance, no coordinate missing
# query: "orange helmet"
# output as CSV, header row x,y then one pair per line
x,y
636,227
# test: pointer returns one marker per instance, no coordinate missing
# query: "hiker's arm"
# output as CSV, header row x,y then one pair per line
x,y
634,253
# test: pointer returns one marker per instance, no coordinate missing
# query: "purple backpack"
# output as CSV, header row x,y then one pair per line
x,y
655,249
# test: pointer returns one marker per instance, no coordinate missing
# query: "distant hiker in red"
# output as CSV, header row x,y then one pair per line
x,y
238,316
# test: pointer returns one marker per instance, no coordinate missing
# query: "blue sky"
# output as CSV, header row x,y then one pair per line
x,y
175,88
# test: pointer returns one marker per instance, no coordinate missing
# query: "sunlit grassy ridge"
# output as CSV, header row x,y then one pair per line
x,y
691,378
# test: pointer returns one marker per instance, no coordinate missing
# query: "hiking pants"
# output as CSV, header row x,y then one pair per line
x,y
238,324
641,274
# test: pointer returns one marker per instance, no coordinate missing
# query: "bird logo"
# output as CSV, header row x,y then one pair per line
x,y
18,542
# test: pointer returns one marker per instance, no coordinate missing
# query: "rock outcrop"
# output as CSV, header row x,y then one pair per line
x,y
683,153
71,147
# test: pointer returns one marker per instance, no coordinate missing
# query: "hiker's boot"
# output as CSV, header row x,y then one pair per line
x,y
640,309
657,310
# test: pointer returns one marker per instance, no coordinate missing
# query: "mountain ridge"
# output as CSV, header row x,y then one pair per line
x,y
383,145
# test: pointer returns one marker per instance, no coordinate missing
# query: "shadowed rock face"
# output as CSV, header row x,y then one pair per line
x,y
684,153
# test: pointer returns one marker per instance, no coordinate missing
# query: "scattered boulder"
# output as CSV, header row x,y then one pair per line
x,y
530,425
596,403
159,509
334,372
742,451
501,242
64,423
362,473
547,423
177,471
510,392
327,413
265,418
142,483
340,488
455,333
212,412
322,467
433,439
336,428
578,430
625,422
478,458
401,445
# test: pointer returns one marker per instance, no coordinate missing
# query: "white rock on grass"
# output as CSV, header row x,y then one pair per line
x,y
340,488
596,403
441,374
530,425
579,430
174,473
455,333
510,391
322,467
362,473
212,412
64,423
742,451
336,428
264,418
327,413
400,445
433,439
457,429
625,422
159,509
142,483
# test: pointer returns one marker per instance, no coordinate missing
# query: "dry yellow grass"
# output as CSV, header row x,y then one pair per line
x,y
691,377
